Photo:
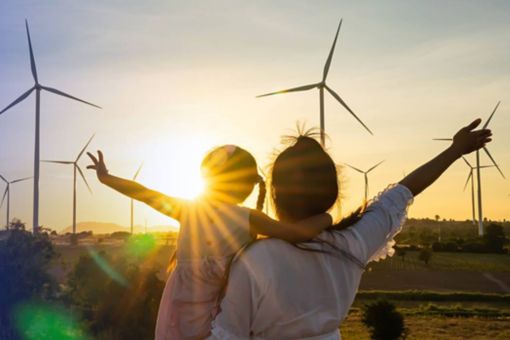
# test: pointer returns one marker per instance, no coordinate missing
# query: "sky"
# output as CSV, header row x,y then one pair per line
x,y
176,78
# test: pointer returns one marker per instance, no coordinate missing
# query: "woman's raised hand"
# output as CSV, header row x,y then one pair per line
x,y
99,166
467,140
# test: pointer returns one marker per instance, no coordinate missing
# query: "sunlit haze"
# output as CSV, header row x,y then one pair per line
x,y
177,78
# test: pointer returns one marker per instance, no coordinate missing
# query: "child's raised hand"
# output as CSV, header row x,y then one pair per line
x,y
99,166
467,140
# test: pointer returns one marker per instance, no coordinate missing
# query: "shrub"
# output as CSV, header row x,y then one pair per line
x,y
425,255
24,258
118,297
494,238
383,321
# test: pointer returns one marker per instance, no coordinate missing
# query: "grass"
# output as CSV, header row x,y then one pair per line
x,y
442,261
420,295
436,327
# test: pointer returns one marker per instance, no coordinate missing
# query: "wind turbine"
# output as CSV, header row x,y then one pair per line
x,y
479,180
7,193
76,168
38,88
470,178
321,86
132,201
365,174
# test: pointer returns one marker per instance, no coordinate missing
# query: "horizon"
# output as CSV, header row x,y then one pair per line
x,y
171,90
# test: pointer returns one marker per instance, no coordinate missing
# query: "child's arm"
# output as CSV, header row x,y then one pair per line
x,y
301,231
465,141
167,205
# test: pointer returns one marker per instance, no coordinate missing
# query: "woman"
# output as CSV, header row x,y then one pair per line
x,y
278,291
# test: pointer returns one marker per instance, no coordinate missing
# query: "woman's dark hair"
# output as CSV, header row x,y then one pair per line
x,y
230,172
304,180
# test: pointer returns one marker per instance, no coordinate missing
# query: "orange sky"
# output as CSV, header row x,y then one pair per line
x,y
176,79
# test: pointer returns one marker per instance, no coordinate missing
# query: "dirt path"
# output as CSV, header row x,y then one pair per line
x,y
500,283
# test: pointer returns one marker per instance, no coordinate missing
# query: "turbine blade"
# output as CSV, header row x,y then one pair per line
x,y
21,180
375,166
358,170
32,59
20,99
84,148
138,171
490,117
294,89
493,161
3,179
60,93
83,177
486,166
467,181
57,162
3,198
465,160
330,56
334,94
443,139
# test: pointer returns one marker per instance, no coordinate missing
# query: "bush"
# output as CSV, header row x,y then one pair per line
x,y
24,258
118,297
383,321
425,255
494,238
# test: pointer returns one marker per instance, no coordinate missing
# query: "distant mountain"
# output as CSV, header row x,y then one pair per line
x,y
108,228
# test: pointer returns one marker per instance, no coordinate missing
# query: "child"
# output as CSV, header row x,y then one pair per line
x,y
213,228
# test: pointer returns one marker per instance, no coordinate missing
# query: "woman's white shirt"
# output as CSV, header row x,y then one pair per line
x,y
277,291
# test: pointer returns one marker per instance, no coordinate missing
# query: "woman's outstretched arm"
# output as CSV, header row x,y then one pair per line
x,y
167,205
465,141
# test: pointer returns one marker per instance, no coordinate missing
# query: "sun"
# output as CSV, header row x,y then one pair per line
x,y
177,173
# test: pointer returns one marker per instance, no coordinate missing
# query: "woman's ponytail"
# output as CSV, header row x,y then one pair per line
x,y
262,194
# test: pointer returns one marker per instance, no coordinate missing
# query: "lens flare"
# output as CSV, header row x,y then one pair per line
x,y
36,321
106,268
141,245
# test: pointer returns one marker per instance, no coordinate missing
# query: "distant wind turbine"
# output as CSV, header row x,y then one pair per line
x,y
479,180
132,201
365,175
7,193
321,86
471,178
76,168
38,88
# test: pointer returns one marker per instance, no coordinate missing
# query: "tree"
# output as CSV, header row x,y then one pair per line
x,y
383,321
24,259
494,238
425,255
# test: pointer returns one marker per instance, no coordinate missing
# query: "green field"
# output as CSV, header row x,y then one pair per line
x,y
445,262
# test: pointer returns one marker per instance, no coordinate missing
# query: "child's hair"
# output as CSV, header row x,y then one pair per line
x,y
230,173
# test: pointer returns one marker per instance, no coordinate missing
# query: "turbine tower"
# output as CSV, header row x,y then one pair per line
x,y
471,178
7,193
132,201
478,177
323,86
76,168
365,175
38,88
